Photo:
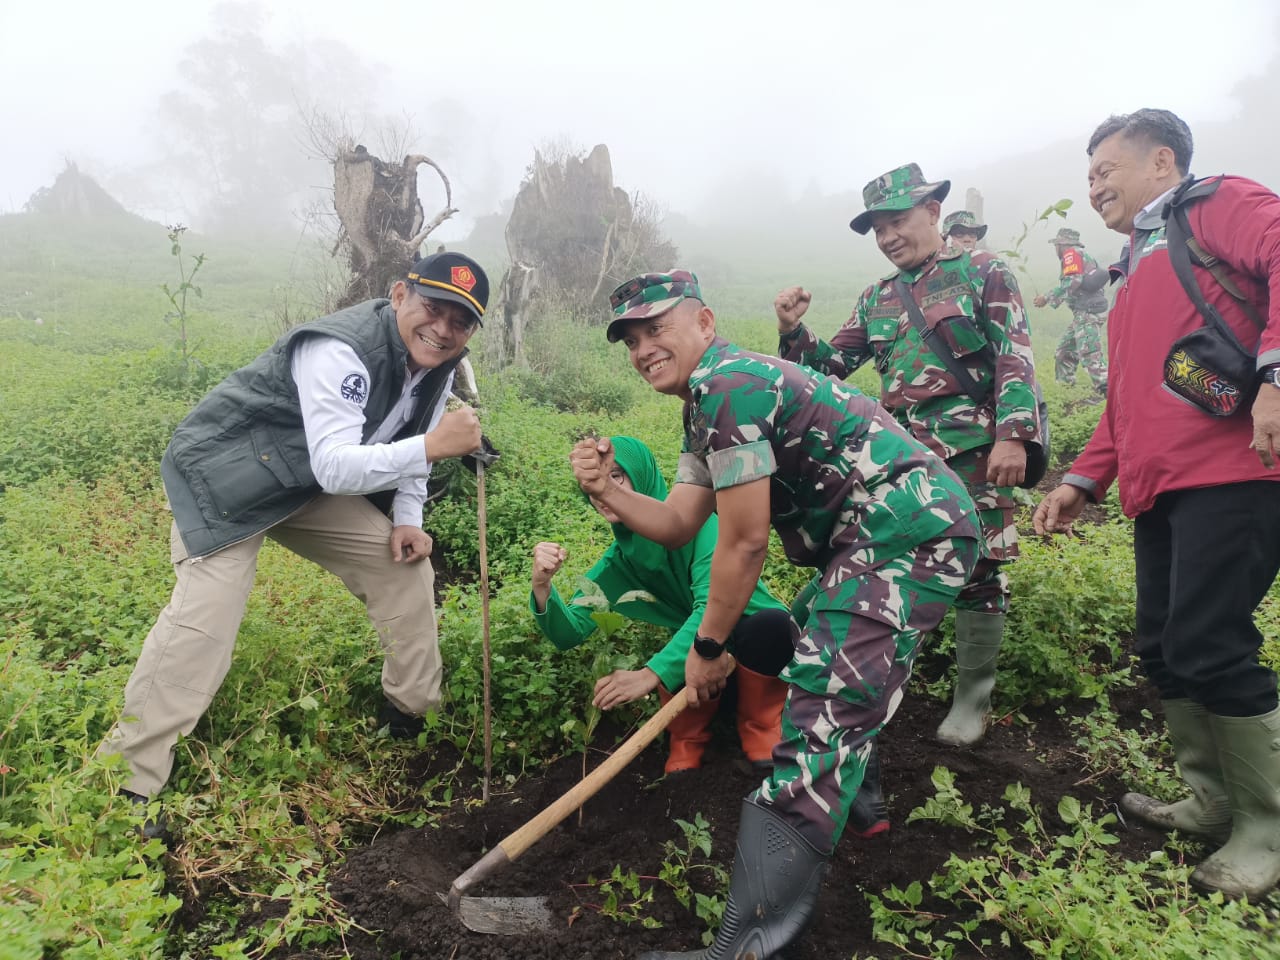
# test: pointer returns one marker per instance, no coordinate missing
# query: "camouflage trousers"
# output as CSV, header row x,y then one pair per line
x,y
858,642
1083,345
988,589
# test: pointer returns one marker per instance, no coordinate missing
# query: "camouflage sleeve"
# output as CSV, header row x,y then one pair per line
x,y
845,353
692,468
739,411
1059,293
1005,325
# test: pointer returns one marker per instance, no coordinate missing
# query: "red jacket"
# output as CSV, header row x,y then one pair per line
x,y
1149,438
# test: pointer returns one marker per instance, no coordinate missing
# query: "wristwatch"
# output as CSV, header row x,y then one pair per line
x,y
1271,375
707,648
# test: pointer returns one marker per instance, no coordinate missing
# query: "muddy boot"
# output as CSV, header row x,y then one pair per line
x,y
978,638
776,879
868,816
760,700
690,733
1206,812
1249,864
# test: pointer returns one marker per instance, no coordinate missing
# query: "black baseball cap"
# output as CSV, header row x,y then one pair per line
x,y
453,277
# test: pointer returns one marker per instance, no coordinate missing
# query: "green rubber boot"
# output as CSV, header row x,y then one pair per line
x,y
978,639
776,878
1206,812
1249,864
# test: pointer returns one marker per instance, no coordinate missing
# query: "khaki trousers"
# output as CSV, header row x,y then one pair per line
x,y
186,655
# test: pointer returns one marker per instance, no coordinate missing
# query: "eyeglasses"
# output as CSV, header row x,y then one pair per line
x,y
461,321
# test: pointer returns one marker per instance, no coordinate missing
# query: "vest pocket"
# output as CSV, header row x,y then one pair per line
x,y
246,475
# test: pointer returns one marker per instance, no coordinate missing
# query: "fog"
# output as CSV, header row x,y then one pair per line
x,y
753,124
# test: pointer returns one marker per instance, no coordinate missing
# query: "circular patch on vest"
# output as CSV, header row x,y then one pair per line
x,y
355,387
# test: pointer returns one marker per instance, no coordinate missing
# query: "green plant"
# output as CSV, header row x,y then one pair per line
x,y
185,371
1142,760
947,805
622,898
1013,253
680,868
1064,895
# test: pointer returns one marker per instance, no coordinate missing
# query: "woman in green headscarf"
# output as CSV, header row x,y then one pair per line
x,y
677,581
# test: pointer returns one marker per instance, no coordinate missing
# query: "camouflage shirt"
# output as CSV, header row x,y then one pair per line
x,y
1076,264
847,484
972,301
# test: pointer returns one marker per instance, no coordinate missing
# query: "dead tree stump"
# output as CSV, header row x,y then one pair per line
x,y
382,221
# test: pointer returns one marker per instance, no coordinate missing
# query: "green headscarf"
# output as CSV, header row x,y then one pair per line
x,y
643,556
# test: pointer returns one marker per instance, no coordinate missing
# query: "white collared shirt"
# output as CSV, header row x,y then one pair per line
x,y
333,389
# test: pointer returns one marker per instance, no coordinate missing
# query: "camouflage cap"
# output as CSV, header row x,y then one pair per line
x,y
965,220
1067,238
650,295
899,189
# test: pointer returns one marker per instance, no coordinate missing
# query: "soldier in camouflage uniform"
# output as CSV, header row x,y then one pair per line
x,y
1082,287
890,530
963,231
971,305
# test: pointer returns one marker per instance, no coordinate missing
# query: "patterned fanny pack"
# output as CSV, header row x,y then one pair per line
x,y
1209,368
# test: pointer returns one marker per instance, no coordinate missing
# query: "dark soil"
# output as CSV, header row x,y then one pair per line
x,y
391,885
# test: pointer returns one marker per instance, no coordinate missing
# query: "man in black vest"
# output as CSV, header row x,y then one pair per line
x,y
324,443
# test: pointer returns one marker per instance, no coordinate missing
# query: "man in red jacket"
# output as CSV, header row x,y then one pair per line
x,y
1201,487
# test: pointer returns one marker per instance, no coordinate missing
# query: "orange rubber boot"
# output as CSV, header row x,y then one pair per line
x,y
760,700
690,733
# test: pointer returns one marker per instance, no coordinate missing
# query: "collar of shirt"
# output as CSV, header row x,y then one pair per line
x,y
914,274
1152,215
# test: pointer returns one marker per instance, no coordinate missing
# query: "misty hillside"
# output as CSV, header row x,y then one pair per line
x,y
758,230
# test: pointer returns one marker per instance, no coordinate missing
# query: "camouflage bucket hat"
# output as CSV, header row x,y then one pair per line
x,y
1067,237
650,295
965,220
899,189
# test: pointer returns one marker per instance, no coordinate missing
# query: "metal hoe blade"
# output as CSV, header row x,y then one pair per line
x,y
504,915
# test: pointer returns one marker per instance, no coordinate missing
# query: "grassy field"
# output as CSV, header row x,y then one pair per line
x,y
288,770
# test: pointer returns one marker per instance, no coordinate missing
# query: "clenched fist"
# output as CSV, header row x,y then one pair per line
x,y
592,459
790,305
1040,301
548,558
456,435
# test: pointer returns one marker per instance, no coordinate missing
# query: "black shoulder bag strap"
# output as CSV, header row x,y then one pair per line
x,y
1181,245
970,386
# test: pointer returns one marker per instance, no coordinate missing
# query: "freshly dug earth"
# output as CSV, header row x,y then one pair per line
x,y
391,886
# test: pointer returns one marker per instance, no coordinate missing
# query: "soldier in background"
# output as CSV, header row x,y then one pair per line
x,y
1082,286
962,231
972,308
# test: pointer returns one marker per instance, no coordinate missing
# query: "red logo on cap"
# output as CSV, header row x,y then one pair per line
x,y
463,277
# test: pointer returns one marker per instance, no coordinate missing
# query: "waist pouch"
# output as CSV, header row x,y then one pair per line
x,y
1210,369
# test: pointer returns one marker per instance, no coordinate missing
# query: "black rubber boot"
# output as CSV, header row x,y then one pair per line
x,y
869,816
149,829
777,875
401,725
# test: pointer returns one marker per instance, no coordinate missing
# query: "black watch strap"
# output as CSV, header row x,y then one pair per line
x,y
707,648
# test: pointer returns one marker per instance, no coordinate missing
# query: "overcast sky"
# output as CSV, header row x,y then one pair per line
x,y
688,95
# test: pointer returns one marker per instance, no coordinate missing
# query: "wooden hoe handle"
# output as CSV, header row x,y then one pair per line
x,y
521,839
